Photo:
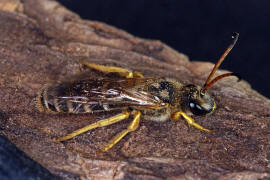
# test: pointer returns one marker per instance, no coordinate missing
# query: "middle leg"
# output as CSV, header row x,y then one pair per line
x,y
131,127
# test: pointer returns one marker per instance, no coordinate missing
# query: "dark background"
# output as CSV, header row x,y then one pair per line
x,y
200,29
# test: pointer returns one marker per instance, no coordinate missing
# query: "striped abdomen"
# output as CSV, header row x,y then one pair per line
x,y
57,99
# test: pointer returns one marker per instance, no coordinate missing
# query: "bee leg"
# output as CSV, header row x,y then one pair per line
x,y
101,123
131,127
190,121
112,69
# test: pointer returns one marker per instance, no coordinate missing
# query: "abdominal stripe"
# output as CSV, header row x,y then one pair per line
x,y
47,101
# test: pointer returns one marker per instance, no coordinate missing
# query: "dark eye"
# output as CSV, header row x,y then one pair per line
x,y
196,109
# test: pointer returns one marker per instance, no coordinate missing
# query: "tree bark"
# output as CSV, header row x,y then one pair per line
x,y
41,42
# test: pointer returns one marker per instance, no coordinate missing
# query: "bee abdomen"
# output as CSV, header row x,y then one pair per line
x,y
48,102
50,99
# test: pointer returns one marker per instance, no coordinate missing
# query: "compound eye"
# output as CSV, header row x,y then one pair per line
x,y
196,109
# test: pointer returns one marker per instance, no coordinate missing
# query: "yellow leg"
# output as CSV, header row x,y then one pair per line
x,y
131,127
190,121
112,69
101,123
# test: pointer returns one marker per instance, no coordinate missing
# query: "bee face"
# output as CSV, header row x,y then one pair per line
x,y
194,101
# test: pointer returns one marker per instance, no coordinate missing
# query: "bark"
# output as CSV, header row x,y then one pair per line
x,y
41,41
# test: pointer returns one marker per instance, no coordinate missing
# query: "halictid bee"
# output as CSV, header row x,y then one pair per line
x,y
155,99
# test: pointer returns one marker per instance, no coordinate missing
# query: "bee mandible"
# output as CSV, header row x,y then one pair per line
x,y
155,99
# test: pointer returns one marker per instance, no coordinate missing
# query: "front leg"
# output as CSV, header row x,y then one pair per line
x,y
112,69
190,121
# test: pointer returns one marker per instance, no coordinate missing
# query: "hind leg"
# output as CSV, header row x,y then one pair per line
x,y
101,123
112,69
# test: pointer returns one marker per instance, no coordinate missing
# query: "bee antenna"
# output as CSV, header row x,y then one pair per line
x,y
205,88
221,59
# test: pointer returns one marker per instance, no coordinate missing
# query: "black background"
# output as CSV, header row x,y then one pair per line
x,y
200,29
15,165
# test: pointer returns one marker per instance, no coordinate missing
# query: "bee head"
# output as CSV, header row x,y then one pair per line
x,y
195,101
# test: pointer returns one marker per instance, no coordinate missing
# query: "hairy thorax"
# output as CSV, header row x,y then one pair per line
x,y
167,90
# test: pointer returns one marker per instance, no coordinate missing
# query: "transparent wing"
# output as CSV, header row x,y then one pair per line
x,y
106,95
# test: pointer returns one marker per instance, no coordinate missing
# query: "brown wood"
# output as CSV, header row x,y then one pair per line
x,y
41,41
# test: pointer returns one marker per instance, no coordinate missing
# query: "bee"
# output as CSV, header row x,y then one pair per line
x,y
155,99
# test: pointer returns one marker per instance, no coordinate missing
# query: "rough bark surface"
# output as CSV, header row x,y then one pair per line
x,y
41,41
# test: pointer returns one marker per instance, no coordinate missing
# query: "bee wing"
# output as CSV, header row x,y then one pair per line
x,y
107,95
